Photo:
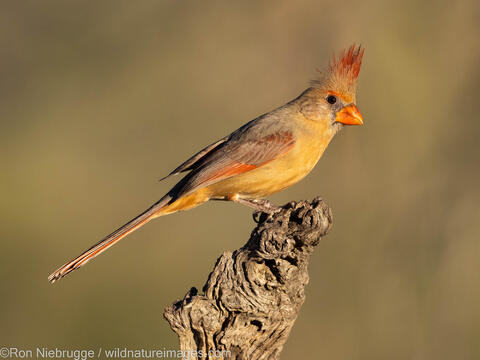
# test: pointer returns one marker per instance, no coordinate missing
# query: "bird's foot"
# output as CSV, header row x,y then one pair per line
x,y
262,205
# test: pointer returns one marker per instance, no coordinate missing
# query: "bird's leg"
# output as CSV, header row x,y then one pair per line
x,y
259,204
262,205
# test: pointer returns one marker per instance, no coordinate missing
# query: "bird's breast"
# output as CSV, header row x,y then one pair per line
x,y
277,174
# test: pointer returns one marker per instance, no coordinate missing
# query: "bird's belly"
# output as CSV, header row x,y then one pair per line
x,y
271,177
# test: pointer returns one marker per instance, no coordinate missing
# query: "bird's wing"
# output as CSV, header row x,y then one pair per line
x,y
234,157
193,161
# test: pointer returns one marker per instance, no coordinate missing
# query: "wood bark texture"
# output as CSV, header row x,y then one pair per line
x,y
253,295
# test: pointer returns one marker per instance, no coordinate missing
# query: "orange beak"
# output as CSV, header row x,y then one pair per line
x,y
349,115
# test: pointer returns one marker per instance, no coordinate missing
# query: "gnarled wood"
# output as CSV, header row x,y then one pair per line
x,y
253,295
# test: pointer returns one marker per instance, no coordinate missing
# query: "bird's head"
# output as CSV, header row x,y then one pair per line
x,y
331,98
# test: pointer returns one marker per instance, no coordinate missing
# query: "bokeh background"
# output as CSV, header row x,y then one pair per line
x,y
98,100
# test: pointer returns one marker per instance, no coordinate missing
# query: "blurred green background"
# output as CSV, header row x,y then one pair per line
x,y
98,100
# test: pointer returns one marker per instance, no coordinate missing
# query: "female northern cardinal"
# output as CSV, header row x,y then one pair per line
x,y
262,157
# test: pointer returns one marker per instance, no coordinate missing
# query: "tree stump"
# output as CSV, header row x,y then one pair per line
x,y
253,295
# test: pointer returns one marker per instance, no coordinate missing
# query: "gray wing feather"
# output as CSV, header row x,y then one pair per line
x,y
195,159
233,158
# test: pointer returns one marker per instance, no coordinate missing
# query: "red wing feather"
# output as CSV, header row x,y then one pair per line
x,y
234,168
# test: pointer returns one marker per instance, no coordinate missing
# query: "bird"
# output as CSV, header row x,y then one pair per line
x,y
262,157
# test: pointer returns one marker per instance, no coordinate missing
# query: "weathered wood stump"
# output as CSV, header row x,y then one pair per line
x,y
253,295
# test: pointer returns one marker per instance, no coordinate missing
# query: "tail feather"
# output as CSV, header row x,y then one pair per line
x,y
110,240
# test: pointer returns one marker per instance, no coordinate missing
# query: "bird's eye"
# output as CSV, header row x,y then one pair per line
x,y
331,99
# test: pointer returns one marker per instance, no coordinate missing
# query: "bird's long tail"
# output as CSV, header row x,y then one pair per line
x,y
152,212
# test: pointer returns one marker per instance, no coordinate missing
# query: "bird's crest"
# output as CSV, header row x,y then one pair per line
x,y
342,72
